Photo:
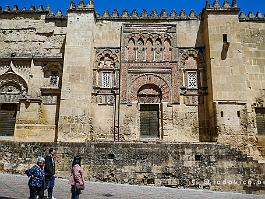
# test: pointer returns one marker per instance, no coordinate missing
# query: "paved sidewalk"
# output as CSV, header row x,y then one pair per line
x,y
15,187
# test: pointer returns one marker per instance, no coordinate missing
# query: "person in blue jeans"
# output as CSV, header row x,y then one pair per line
x,y
37,179
49,170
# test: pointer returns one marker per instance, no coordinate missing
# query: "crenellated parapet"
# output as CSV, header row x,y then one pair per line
x,y
216,6
15,11
81,6
144,15
251,16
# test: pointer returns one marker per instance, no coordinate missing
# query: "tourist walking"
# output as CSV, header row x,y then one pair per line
x,y
36,181
77,178
49,171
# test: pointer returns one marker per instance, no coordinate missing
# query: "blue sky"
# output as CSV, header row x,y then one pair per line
x,y
101,5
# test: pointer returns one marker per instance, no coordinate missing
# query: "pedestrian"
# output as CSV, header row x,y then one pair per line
x,y
77,178
49,171
37,179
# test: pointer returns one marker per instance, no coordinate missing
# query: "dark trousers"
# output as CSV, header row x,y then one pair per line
x,y
75,193
50,185
36,191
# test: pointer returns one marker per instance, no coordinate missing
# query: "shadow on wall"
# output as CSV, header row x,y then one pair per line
x,y
224,50
205,134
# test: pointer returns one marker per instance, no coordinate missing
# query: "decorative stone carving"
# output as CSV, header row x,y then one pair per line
x,y
149,50
191,100
106,75
105,99
158,50
192,70
11,78
107,59
191,63
140,50
149,47
12,87
131,50
49,99
143,80
167,50
158,61
191,59
149,93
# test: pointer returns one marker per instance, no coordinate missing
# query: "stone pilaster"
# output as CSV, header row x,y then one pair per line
x,y
74,121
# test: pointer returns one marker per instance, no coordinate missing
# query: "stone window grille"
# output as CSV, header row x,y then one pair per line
x,y
106,79
260,120
192,80
54,80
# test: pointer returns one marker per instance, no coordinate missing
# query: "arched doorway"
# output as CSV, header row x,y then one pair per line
x,y
8,112
149,96
12,88
8,108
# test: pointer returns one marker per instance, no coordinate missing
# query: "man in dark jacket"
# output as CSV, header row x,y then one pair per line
x,y
49,170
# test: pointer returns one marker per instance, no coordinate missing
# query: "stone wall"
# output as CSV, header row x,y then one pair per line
x,y
31,33
235,58
32,47
253,41
201,165
145,59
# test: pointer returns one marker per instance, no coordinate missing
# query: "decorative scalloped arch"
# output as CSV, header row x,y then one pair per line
x,y
14,79
191,53
107,53
149,79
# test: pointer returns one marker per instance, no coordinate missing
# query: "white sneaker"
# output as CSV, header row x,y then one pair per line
x,y
53,198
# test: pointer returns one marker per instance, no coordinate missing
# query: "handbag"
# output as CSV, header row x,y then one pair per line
x,y
79,186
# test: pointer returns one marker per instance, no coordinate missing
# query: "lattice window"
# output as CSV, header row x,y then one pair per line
x,y
260,119
192,80
106,80
54,80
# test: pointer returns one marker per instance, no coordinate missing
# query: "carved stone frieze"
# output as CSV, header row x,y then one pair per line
x,y
191,100
158,28
105,99
10,98
49,99
148,47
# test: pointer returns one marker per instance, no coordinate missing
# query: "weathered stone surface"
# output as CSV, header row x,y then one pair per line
x,y
86,77
202,165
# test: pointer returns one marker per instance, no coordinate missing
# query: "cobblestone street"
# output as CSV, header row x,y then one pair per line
x,y
15,187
